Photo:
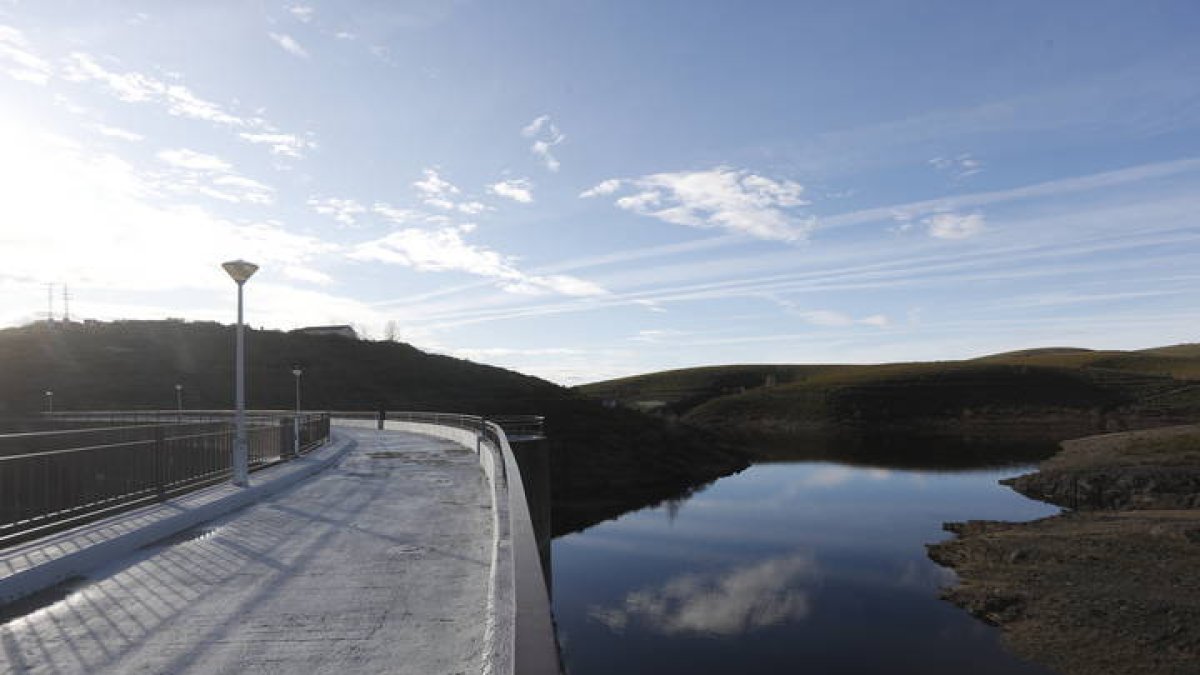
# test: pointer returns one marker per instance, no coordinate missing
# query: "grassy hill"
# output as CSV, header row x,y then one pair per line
x,y
603,462
1046,394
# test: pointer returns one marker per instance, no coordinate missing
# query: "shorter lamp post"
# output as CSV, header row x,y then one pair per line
x,y
296,420
49,402
179,402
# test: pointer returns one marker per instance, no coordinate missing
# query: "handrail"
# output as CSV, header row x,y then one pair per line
x,y
50,481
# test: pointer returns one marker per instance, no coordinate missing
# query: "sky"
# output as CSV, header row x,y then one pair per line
x,y
589,189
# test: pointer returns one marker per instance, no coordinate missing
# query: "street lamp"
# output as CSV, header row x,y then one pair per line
x,y
296,420
179,402
240,271
49,402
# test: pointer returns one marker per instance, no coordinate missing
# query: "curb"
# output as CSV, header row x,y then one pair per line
x,y
94,548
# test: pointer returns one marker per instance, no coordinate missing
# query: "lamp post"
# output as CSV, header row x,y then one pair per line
x,y
240,271
179,402
49,402
296,420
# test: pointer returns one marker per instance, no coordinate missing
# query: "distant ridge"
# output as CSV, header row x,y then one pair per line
x,y
1048,393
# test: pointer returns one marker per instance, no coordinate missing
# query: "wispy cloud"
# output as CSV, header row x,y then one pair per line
x,y
289,44
133,87
433,185
437,192
114,132
959,167
286,145
955,225
344,211
211,176
545,134
398,215
734,200
1044,190
180,101
445,250
303,13
516,189
18,61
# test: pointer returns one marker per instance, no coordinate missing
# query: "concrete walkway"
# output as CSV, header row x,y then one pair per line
x,y
379,564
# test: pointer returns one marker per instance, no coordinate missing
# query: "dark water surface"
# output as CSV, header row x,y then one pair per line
x,y
791,567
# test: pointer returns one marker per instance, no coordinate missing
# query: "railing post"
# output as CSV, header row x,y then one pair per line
x,y
287,438
381,417
159,462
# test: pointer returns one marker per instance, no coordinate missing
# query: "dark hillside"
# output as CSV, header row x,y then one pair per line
x,y
604,462
1033,395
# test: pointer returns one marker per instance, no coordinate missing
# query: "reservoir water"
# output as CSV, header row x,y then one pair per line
x,y
787,567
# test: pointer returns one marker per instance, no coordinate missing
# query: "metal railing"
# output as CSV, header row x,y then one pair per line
x,y
517,428
52,480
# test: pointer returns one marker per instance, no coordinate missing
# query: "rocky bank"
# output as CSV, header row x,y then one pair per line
x,y
1113,584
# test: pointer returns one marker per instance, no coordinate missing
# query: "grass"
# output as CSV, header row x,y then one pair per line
x,y
1083,387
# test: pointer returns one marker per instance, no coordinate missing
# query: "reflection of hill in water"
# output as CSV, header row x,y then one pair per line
x,y
929,453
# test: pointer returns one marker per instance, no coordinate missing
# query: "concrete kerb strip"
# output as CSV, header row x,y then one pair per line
x,y
46,562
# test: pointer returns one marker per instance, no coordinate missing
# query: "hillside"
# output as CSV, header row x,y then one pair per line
x,y
1044,394
603,462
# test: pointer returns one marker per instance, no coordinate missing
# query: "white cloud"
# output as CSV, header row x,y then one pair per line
x,y
307,275
955,226
397,215
433,185
18,61
208,175
605,187
133,87
287,145
516,189
344,211
445,250
439,203
959,167
302,13
734,200
546,135
114,132
178,100
739,601
471,208
437,190
190,159
289,44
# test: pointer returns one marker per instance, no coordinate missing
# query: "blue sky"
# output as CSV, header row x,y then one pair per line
x,y
582,190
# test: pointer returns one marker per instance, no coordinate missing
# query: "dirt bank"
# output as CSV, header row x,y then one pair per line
x,y
1112,586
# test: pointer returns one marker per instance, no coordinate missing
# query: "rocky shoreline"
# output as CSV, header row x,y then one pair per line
x,y
1113,584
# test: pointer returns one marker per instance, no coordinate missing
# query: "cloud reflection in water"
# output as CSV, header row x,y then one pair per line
x,y
738,601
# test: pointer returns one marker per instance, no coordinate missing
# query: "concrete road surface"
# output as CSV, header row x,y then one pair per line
x,y
377,565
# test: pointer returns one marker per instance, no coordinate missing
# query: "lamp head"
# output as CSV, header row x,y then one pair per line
x,y
240,270
296,371
179,387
